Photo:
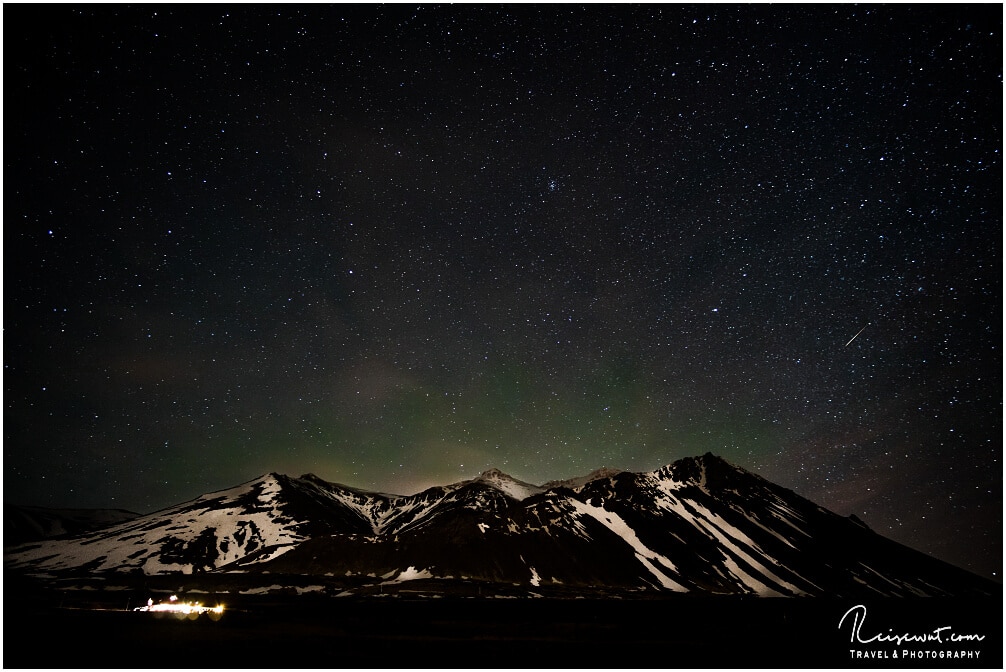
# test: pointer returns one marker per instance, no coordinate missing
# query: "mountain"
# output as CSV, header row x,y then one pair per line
x,y
700,525
580,481
30,523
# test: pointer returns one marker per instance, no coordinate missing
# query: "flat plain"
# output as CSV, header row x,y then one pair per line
x,y
72,629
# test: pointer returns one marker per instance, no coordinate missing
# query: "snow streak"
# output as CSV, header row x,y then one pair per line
x,y
645,556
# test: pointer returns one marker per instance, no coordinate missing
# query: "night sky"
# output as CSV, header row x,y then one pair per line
x,y
396,246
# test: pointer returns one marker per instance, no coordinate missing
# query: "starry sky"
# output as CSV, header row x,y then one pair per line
x,y
397,245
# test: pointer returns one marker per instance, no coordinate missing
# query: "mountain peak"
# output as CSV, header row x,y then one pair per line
x,y
507,484
695,468
314,478
603,472
578,482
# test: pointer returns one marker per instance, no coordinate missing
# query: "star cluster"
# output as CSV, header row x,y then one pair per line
x,y
397,245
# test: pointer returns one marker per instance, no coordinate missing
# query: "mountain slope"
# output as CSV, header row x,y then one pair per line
x,y
700,525
30,523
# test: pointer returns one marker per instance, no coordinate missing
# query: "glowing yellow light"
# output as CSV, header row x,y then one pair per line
x,y
192,609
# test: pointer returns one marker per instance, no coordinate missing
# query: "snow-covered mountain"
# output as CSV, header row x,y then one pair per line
x,y
699,525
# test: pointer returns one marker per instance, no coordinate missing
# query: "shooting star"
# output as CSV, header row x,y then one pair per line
x,y
857,334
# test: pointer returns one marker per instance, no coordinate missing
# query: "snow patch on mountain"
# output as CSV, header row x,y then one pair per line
x,y
410,574
754,584
666,485
272,554
213,530
890,582
508,485
262,590
152,565
754,521
786,514
646,556
736,544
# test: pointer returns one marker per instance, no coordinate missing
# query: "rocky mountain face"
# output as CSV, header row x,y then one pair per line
x,y
700,525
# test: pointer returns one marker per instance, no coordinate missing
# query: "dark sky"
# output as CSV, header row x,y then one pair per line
x,y
396,246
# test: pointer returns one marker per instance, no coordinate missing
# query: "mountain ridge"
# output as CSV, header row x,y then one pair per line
x,y
24,523
698,525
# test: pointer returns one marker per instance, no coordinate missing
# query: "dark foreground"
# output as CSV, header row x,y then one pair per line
x,y
469,632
